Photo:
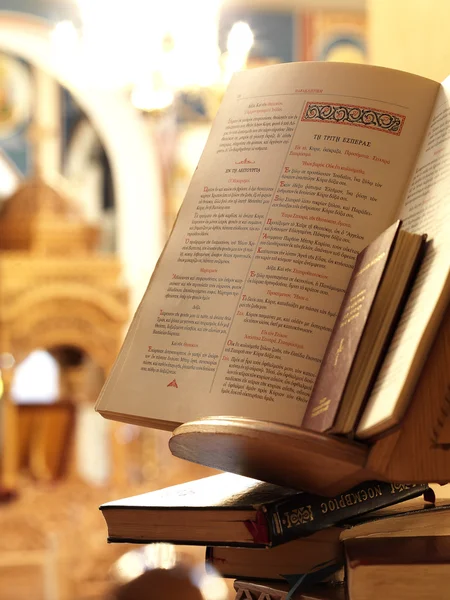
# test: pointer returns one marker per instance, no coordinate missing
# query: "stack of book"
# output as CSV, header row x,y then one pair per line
x,y
264,535
305,284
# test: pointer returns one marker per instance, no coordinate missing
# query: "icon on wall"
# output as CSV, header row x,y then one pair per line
x,y
333,36
15,95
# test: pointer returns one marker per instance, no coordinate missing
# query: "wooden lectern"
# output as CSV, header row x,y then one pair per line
x,y
416,452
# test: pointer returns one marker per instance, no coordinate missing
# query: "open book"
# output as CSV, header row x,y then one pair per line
x,y
305,165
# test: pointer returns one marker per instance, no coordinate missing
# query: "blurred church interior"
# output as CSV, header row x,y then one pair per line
x,y
105,106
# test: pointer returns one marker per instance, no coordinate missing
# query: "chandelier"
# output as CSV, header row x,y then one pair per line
x,y
152,50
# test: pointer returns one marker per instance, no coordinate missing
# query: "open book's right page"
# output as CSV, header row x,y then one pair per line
x,y
426,209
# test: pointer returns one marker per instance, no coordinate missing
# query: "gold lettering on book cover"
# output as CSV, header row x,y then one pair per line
x,y
344,500
371,264
398,488
339,352
354,308
322,406
298,516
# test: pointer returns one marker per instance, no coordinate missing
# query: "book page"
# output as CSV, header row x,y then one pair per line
x,y
426,210
305,165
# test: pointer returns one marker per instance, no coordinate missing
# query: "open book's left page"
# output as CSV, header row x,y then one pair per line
x,y
305,165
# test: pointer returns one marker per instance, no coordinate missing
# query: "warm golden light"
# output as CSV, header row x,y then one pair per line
x,y
64,34
134,563
240,39
123,48
239,43
160,556
145,97
7,360
150,50
153,556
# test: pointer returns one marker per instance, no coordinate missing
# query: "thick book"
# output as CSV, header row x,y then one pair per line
x,y
232,510
298,556
382,276
305,165
407,567
258,590
408,519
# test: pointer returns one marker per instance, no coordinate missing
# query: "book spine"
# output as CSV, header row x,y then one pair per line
x,y
325,400
305,514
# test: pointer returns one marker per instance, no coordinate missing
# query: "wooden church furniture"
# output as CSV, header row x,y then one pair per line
x,y
46,434
56,292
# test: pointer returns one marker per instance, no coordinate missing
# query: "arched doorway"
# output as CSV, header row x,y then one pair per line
x,y
36,379
59,434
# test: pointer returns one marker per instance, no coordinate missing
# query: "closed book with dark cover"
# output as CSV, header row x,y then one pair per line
x,y
375,295
301,516
232,510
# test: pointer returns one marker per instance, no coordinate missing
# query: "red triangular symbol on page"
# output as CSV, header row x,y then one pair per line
x,y
173,383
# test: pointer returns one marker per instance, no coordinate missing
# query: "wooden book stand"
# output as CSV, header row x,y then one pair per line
x,y
416,452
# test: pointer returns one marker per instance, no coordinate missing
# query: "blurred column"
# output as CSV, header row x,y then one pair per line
x,y
410,35
9,452
47,125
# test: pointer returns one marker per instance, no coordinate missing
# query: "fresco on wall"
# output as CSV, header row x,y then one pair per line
x,y
15,110
16,84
